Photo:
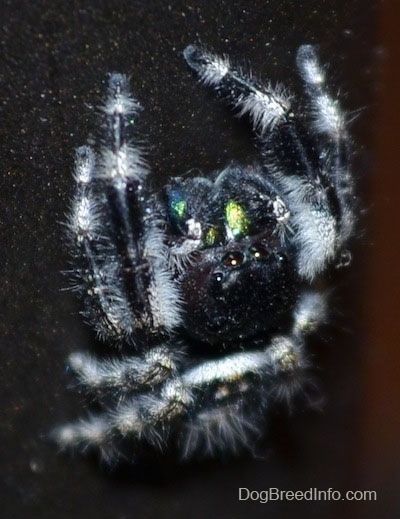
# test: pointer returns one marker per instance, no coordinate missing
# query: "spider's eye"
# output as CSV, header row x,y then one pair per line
x,y
218,277
236,218
281,257
233,259
259,251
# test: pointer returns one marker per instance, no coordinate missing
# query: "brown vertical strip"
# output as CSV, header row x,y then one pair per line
x,y
379,461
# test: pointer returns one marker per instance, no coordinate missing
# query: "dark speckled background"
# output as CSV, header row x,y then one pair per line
x,y
54,58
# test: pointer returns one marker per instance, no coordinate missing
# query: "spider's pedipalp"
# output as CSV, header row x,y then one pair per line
x,y
313,223
310,313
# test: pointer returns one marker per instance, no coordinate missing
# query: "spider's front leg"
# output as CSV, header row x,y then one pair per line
x,y
316,187
117,233
329,124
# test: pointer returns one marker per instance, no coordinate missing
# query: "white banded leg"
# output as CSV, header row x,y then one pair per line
x,y
329,122
266,106
125,374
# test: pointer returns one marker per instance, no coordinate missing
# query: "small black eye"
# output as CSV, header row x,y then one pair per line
x,y
217,285
259,251
218,277
280,257
233,259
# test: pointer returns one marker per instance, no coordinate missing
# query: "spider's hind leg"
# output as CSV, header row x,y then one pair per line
x,y
127,374
141,417
215,406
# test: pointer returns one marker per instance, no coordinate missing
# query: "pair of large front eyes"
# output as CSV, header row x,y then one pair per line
x,y
234,259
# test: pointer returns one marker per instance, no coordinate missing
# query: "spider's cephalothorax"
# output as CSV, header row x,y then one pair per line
x,y
208,287
239,245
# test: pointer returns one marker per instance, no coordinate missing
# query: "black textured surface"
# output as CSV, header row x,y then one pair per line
x,y
54,58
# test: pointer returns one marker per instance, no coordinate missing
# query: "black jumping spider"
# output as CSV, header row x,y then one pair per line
x,y
207,288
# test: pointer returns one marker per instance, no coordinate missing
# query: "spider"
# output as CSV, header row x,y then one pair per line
x,y
208,287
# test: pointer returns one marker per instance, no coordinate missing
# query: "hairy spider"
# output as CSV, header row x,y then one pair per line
x,y
207,288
